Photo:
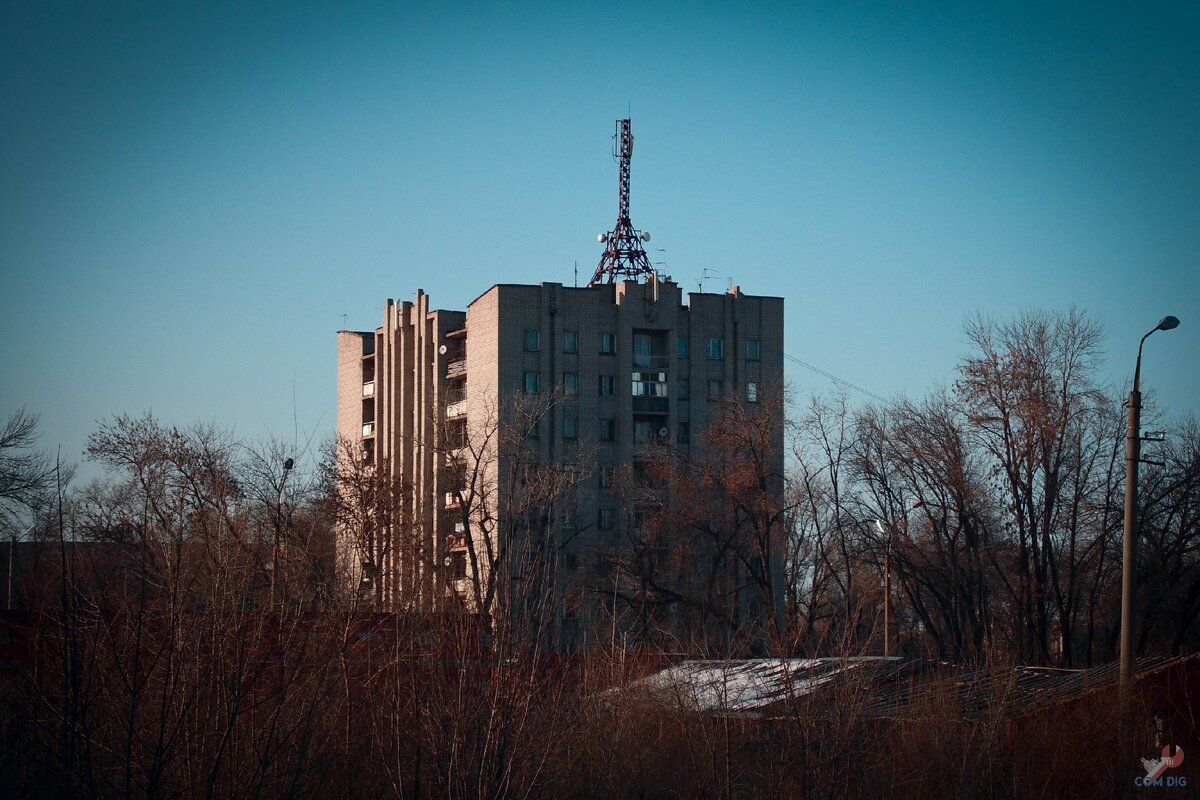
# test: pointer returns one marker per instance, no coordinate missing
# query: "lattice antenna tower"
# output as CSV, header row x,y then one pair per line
x,y
624,256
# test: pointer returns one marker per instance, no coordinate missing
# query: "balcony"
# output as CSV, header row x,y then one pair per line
x,y
650,405
456,369
369,389
649,361
368,429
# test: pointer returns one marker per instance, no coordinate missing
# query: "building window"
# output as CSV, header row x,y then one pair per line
x,y
716,348
643,431
752,349
608,430
458,565
607,472
570,427
608,344
531,383
641,349
608,384
456,433
684,432
605,519
681,347
752,392
571,383
531,432
685,389
570,341
649,384
714,390
570,519
533,340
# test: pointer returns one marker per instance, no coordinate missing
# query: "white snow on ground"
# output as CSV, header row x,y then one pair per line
x,y
744,685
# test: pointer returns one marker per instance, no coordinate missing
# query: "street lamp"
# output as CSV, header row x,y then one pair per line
x,y
287,468
1133,446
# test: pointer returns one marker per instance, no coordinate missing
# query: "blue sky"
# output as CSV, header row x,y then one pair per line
x,y
191,196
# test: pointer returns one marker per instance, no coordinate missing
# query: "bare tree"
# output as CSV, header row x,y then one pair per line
x,y
826,543
509,497
1030,396
372,506
708,532
26,476
929,489
1169,523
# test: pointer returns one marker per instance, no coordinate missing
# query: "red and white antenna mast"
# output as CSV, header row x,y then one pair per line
x,y
624,257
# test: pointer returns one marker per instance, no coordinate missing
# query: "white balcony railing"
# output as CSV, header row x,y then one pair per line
x,y
369,389
368,429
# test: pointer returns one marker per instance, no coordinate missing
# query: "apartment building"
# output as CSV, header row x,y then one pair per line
x,y
447,406
509,459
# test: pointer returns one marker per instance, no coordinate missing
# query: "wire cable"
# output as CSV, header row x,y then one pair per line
x,y
833,377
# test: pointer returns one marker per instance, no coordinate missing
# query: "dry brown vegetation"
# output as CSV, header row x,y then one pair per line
x,y
187,634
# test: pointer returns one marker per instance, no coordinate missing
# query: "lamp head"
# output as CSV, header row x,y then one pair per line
x,y
1167,323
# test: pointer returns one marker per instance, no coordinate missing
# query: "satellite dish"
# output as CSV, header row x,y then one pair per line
x,y
646,236
662,432
442,349
448,561
602,238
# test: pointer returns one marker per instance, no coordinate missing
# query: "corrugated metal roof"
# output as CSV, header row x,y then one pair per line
x,y
886,687
746,687
1015,689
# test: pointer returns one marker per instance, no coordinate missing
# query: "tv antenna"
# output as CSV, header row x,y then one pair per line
x,y
624,254
710,273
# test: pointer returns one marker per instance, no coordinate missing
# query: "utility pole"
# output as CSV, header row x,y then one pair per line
x,y
887,586
1133,454
279,522
887,575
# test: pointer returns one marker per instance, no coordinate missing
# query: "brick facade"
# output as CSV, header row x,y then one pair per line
x,y
439,377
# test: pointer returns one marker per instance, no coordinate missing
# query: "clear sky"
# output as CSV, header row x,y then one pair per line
x,y
192,195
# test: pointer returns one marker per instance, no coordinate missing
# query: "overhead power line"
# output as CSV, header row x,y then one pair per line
x,y
833,377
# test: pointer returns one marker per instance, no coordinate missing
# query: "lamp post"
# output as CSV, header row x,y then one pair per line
x,y
1133,446
287,468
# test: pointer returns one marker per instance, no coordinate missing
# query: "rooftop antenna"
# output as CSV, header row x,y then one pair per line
x,y
709,273
624,255
344,321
